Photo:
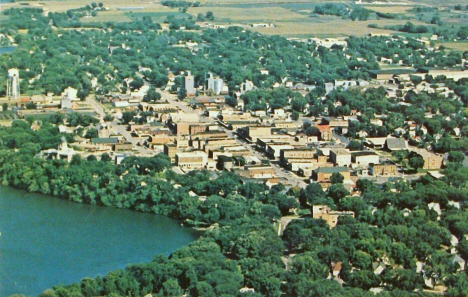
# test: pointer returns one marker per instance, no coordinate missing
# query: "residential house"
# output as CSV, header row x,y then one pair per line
x,y
330,216
325,132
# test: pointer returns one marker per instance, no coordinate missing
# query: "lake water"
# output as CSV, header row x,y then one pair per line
x,y
6,49
47,241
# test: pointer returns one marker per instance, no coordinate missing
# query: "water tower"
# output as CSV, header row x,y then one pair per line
x,y
13,84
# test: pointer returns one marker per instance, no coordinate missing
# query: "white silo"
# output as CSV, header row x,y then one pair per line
x,y
13,84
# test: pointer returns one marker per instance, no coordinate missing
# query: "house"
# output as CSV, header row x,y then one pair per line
x,y
340,157
323,174
458,261
271,182
191,160
383,170
279,113
330,216
325,132
378,267
336,268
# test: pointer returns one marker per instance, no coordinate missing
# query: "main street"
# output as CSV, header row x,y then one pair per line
x,y
292,179
117,127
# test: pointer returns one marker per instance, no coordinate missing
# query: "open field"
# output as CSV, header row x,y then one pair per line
x,y
261,14
292,18
388,8
108,16
458,46
329,27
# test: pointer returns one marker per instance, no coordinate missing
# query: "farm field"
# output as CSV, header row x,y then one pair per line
x,y
457,46
291,18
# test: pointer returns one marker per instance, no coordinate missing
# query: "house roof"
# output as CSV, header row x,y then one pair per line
x,y
396,143
323,127
104,140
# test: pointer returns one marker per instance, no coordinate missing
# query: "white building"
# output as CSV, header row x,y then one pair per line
x,y
13,84
71,93
214,84
189,83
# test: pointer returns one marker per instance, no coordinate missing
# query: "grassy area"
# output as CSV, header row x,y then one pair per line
x,y
457,46
389,8
328,26
107,16
249,15
157,17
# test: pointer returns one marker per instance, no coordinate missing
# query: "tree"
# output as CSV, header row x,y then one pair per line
x,y
127,117
31,105
171,288
108,118
231,101
312,194
105,157
92,133
355,145
456,157
312,131
5,107
182,93
136,83
415,160
209,15
336,178
336,192
295,116
151,96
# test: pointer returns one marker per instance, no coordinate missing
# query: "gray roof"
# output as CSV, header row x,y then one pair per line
x,y
396,144
104,140
331,169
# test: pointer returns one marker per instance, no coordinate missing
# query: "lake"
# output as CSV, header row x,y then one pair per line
x,y
6,49
47,241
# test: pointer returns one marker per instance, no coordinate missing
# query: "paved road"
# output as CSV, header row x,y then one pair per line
x,y
289,176
117,128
